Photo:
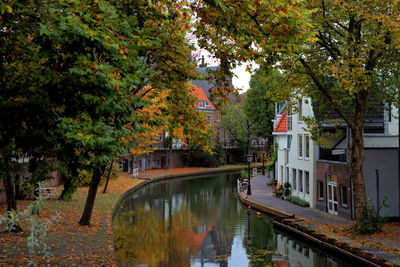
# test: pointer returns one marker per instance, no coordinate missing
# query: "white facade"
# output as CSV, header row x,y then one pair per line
x,y
297,153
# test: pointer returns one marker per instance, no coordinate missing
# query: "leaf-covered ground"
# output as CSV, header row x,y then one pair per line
x,y
70,243
384,244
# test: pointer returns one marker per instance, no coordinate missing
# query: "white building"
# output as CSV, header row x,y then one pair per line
x,y
296,151
322,177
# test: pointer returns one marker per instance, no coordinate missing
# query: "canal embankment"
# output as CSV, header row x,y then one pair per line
x,y
325,230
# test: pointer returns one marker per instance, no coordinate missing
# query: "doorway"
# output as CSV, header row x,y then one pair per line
x,y
332,194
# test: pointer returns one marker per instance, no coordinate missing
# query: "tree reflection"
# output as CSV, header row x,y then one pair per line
x,y
148,239
261,241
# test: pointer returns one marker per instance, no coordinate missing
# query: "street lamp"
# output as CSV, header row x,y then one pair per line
x,y
249,157
263,168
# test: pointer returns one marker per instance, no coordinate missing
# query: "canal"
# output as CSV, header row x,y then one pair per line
x,y
200,222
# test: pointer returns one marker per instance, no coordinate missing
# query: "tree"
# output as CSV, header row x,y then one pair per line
x,y
259,107
70,74
184,123
331,50
152,121
25,105
239,127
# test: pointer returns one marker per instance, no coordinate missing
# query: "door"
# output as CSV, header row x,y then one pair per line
x,y
332,194
163,162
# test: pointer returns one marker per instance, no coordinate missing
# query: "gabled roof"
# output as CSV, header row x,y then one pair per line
x,y
281,126
202,82
203,72
200,95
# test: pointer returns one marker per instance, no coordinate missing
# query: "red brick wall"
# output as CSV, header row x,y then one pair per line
x,y
343,178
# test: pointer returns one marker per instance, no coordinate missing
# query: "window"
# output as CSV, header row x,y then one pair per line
x,y
307,146
301,180
281,173
294,182
390,112
202,104
320,188
300,107
300,138
307,180
287,174
209,121
343,196
289,141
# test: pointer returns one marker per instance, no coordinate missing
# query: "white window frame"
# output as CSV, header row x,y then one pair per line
x,y
301,188
300,146
294,179
300,110
307,146
307,180
202,104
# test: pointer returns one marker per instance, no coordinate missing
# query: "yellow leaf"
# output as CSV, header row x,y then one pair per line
x,y
81,134
9,9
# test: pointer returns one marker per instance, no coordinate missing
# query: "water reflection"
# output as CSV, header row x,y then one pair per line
x,y
199,222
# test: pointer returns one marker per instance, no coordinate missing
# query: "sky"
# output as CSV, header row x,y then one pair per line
x,y
242,79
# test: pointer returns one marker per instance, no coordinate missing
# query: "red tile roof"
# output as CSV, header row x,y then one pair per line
x,y
281,126
200,95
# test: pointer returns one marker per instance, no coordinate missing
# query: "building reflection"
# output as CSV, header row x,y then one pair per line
x,y
295,254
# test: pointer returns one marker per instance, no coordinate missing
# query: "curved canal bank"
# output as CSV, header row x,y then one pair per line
x,y
215,200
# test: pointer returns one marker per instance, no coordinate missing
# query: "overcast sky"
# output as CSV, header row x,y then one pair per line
x,y
242,79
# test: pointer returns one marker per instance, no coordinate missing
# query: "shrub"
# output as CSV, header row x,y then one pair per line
x,y
244,174
200,158
298,201
370,221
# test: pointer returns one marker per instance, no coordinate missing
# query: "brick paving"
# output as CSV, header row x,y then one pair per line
x,y
263,194
315,219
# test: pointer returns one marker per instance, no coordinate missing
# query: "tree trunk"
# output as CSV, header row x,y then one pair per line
x,y
10,193
67,186
68,181
108,176
94,183
357,159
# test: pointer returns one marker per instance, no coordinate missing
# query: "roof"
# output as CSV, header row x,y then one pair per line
x,y
281,126
202,82
200,95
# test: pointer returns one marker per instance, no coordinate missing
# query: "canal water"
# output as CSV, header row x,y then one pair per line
x,y
200,222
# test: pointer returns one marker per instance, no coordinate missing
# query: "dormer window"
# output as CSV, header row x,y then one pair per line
x,y
203,104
